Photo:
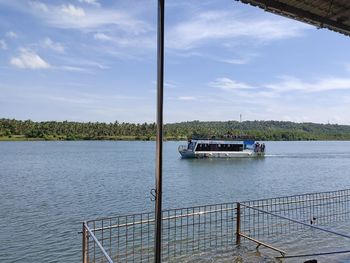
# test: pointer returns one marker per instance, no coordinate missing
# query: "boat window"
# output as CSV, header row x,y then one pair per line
x,y
202,147
219,147
213,147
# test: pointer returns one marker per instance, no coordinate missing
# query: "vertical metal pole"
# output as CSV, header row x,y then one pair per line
x,y
159,143
85,235
83,244
238,225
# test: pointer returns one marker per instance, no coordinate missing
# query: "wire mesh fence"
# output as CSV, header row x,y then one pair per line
x,y
314,209
301,224
282,224
130,238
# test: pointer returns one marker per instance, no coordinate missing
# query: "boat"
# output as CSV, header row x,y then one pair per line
x,y
222,148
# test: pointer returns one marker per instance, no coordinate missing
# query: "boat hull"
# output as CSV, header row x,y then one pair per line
x,y
242,154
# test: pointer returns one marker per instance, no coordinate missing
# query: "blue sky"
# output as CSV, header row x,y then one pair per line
x,y
95,60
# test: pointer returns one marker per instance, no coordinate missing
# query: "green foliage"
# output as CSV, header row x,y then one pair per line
x,y
262,130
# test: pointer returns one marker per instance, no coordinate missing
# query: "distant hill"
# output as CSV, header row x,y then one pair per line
x,y
262,130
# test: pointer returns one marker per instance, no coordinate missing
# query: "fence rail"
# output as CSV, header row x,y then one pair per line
x,y
87,233
130,238
186,231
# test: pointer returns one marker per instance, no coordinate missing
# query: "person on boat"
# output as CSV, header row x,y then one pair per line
x,y
257,147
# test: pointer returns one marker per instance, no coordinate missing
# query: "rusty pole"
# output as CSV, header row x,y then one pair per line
x,y
238,224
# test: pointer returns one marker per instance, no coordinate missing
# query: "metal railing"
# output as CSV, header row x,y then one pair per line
x,y
87,234
270,222
316,208
130,238
186,231
182,148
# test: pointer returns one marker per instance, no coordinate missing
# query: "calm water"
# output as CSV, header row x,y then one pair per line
x,y
48,188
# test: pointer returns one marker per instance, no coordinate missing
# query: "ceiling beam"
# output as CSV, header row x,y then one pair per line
x,y
341,16
300,14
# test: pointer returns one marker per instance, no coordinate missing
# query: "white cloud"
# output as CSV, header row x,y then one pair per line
x,y
186,98
55,46
124,29
11,34
102,36
287,84
169,85
81,63
3,44
229,84
236,61
243,59
130,41
70,16
29,59
39,6
228,26
73,68
90,2
323,84
73,10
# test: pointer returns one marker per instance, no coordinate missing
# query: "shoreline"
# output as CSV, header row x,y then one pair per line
x,y
22,138
19,130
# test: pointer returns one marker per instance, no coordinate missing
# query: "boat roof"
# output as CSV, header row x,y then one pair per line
x,y
231,138
219,141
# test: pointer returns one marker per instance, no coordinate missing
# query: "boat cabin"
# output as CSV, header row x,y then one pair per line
x,y
219,147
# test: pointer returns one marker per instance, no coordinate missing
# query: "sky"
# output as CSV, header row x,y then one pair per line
x,y
95,60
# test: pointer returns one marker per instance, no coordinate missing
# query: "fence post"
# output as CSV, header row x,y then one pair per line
x,y
85,242
238,224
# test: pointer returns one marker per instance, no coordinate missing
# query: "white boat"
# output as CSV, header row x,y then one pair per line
x,y
221,148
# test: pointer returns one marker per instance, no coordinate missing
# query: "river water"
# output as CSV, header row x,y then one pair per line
x,y
48,188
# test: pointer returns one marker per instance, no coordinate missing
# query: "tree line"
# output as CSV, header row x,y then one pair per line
x,y
262,130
